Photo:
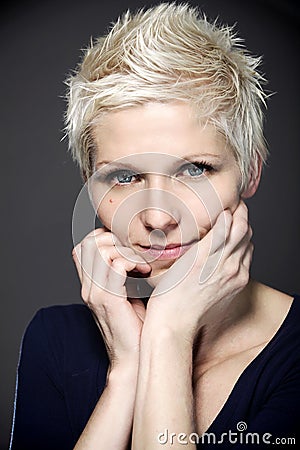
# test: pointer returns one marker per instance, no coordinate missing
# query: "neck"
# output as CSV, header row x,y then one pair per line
x,y
222,321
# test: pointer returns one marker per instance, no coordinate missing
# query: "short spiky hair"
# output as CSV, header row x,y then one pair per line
x,y
170,53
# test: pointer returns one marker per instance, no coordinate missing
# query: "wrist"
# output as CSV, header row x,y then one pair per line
x,y
120,375
164,338
163,323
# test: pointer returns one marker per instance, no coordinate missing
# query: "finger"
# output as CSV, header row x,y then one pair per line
x,y
102,237
218,236
205,254
94,267
243,274
248,256
241,231
107,238
234,261
215,239
220,231
241,209
111,248
96,232
100,270
77,253
88,249
243,244
117,275
110,253
143,268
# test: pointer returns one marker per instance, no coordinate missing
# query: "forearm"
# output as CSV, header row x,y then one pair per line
x,y
164,399
110,424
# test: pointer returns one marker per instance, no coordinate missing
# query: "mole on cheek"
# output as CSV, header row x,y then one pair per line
x,y
110,200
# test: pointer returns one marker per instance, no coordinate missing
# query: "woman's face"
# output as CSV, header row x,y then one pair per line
x,y
162,179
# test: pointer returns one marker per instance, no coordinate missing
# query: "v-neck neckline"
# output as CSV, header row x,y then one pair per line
x,y
234,396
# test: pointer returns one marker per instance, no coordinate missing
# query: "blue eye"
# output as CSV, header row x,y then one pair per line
x,y
122,177
195,169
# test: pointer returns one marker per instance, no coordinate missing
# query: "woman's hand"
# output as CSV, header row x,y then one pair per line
x,y
214,270
102,265
102,268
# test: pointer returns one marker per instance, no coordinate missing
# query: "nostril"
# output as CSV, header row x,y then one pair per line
x,y
155,218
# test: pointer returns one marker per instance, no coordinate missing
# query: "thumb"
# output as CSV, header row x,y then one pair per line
x,y
213,245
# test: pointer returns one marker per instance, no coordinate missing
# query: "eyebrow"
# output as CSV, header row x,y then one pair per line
x,y
183,158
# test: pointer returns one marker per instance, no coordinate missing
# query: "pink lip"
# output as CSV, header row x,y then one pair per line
x,y
170,251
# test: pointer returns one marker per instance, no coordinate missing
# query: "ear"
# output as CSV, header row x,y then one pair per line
x,y
253,183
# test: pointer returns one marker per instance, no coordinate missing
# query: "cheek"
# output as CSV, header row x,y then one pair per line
x,y
213,202
118,217
204,207
202,218
106,211
230,199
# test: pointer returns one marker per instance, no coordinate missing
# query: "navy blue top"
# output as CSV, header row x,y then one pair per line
x,y
62,372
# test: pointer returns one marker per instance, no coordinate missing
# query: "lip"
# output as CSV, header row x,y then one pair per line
x,y
170,251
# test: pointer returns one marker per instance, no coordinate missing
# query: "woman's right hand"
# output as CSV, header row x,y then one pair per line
x,y
102,268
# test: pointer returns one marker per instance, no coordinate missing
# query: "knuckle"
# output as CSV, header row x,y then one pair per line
x,y
105,237
233,268
118,265
244,208
86,243
250,231
243,226
244,277
84,293
104,253
96,232
94,300
219,235
125,251
76,251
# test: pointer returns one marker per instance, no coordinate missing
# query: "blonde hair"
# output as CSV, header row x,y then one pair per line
x,y
170,53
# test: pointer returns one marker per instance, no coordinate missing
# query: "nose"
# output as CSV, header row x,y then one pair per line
x,y
160,212
158,219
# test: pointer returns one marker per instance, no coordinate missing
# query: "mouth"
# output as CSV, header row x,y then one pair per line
x,y
165,252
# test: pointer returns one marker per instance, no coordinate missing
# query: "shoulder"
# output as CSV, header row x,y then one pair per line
x,y
61,320
276,324
280,359
273,308
66,330
61,316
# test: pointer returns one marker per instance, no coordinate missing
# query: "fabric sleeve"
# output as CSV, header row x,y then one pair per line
x,y
40,415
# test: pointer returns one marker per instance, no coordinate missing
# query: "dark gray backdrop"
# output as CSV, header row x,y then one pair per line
x,y
40,43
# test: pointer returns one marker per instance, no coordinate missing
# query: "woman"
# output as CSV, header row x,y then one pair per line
x,y
177,346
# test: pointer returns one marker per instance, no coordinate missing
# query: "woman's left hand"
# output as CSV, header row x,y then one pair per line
x,y
216,268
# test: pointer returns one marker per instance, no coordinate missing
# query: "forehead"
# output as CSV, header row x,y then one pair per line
x,y
163,128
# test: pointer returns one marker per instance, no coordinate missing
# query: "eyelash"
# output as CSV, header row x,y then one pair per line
x,y
198,164
111,176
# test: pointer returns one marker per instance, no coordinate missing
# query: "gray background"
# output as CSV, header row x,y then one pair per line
x,y
40,43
